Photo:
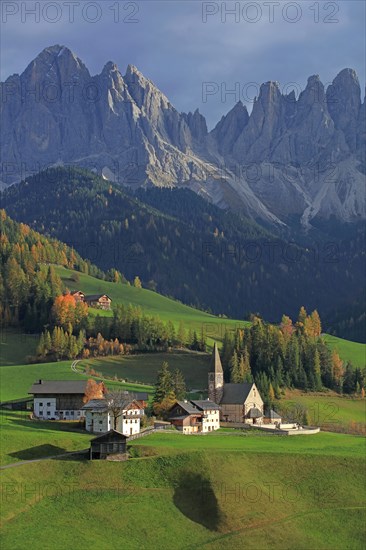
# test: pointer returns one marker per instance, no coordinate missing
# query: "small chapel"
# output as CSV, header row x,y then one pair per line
x,y
238,402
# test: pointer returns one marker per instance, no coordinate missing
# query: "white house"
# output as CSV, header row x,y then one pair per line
x,y
195,416
58,399
100,417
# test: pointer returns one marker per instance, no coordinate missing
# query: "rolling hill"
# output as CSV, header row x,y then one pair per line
x,y
167,309
219,491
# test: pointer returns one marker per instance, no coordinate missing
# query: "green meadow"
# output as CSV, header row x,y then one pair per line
x,y
143,368
327,408
151,303
215,491
167,309
348,351
15,346
16,381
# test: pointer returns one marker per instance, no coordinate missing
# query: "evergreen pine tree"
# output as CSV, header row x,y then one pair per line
x,y
235,374
179,385
164,383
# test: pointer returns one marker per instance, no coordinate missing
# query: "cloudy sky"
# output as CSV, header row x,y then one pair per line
x,y
190,47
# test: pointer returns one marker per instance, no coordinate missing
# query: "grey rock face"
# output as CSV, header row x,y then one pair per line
x,y
291,157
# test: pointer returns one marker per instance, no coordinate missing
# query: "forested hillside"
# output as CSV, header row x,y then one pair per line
x,y
184,247
27,290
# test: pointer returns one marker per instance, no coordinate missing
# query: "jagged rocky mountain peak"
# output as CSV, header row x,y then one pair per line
x,y
131,123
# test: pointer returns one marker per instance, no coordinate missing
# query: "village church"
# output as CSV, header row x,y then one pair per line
x,y
238,402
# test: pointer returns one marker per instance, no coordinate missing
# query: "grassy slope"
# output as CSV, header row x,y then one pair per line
x,y
16,381
216,491
15,347
327,408
193,485
167,309
143,368
324,443
152,303
348,351
23,439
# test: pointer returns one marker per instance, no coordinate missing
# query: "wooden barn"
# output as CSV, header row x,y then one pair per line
x,y
111,443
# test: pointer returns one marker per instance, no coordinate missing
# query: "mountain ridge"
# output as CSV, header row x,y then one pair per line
x,y
289,159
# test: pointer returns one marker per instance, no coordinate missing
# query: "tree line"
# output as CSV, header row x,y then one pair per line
x,y
290,355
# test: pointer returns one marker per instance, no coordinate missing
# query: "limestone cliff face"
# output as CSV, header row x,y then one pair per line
x,y
301,158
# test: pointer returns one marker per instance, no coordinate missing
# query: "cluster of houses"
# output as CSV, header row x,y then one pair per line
x,y
99,301
232,403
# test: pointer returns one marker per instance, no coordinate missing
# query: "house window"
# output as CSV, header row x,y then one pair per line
x,y
40,404
48,413
100,421
67,413
48,404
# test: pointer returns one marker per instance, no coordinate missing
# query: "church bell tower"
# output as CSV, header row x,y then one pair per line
x,y
215,377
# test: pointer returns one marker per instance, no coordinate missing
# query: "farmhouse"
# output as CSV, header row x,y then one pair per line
x,y
78,295
195,416
101,416
238,402
58,399
99,301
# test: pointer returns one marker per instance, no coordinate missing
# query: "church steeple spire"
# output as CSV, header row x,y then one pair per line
x,y
215,377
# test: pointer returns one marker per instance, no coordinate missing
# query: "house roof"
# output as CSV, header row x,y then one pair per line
x,y
205,405
272,414
59,386
236,393
140,396
102,404
254,413
107,436
96,296
187,406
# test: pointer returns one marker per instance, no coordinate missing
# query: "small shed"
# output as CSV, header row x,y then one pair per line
x,y
110,443
271,417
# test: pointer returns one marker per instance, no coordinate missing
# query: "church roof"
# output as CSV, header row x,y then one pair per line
x,y
235,393
215,363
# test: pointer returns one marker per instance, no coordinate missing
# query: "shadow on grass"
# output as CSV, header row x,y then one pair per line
x,y
195,498
39,451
